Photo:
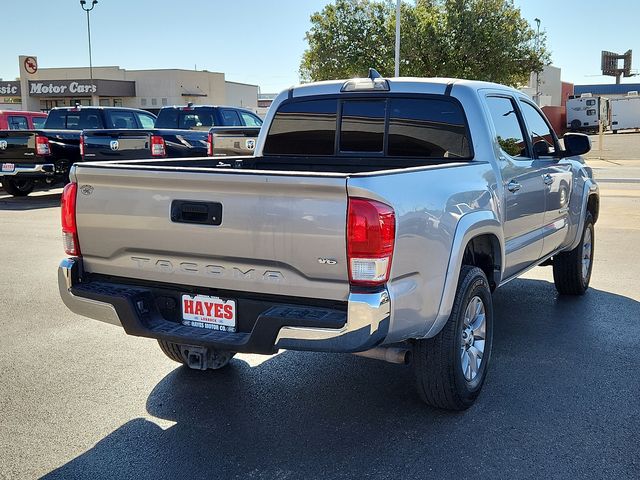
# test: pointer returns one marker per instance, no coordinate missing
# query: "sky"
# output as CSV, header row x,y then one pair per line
x,y
261,41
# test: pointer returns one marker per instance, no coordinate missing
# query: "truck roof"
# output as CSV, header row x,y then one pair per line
x,y
435,85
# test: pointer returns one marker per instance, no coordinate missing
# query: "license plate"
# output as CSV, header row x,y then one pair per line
x,y
8,167
212,313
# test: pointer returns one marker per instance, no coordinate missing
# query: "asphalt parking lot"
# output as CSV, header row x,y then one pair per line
x,y
80,399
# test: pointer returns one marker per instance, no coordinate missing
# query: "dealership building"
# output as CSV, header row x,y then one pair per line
x,y
40,89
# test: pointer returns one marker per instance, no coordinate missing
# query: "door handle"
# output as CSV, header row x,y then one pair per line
x,y
548,179
513,186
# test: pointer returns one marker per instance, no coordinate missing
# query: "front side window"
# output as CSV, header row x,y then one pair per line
x,y
230,118
542,138
18,123
38,122
122,119
303,128
427,128
250,120
147,121
509,133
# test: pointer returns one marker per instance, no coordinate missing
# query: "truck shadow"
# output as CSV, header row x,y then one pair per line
x,y
34,201
308,415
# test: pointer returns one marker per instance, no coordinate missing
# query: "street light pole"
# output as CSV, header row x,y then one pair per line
x,y
397,70
83,4
537,20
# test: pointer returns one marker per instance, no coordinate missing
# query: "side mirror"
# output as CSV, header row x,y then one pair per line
x,y
576,144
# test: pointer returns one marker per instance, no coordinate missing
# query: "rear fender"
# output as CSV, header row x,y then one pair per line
x,y
469,226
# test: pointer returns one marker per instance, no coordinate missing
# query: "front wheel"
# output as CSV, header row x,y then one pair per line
x,y
18,187
451,367
572,270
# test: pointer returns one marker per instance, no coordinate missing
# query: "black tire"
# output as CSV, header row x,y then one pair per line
x,y
568,271
215,361
20,187
437,362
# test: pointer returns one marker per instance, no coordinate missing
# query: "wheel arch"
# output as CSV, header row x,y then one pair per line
x,y
477,233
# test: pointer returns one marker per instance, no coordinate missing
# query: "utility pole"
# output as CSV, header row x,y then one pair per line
x,y
397,71
83,4
537,20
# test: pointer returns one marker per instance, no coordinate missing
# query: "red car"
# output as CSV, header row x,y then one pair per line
x,y
18,120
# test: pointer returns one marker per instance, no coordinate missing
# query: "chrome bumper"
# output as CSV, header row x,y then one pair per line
x,y
40,169
367,325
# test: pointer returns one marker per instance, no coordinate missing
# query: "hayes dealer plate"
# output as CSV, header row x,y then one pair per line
x,y
211,313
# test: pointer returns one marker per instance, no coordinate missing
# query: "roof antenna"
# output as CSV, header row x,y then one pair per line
x,y
373,74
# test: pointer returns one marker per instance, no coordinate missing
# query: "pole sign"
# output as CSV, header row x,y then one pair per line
x,y
10,89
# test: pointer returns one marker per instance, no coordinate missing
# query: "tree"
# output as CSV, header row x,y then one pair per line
x,y
475,39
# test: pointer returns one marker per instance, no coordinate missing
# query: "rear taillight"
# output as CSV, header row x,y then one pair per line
x,y
158,148
82,146
210,145
42,146
68,217
371,231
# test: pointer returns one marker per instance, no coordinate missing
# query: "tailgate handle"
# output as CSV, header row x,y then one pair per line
x,y
205,213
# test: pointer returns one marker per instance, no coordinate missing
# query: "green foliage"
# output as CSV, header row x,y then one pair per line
x,y
475,39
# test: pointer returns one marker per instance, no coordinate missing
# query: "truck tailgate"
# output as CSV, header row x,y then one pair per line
x,y
18,146
275,234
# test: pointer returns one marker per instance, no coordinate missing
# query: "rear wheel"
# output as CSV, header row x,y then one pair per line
x,y
451,367
572,270
196,357
18,187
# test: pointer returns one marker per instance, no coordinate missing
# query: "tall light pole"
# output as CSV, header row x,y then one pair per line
x,y
83,4
397,71
537,20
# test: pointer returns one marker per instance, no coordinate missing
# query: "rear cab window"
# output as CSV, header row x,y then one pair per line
x,y
427,127
74,119
186,118
122,119
17,122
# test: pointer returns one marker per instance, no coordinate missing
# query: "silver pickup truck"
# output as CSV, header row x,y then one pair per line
x,y
376,217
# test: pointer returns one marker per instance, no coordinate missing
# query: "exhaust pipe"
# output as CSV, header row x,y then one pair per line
x,y
397,355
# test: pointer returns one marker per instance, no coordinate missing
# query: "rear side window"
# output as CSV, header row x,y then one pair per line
x,y
185,119
303,128
147,121
427,128
38,122
18,122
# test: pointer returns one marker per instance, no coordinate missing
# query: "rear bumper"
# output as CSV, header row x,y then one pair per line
x,y
42,169
268,324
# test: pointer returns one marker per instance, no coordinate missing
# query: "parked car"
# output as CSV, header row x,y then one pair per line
x,y
28,157
376,217
165,143
203,117
21,120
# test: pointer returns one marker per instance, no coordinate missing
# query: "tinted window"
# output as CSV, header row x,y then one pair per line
x,y
17,123
230,118
538,128
147,121
427,128
590,103
74,119
250,120
362,127
121,119
38,122
508,131
303,128
187,119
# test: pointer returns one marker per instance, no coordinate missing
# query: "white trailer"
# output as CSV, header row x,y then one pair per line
x,y
625,112
586,111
